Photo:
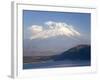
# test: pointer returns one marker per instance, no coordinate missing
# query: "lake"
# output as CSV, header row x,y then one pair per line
x,y
55,64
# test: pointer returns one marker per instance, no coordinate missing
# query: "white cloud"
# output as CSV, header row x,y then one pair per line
x,y
52,29
35,29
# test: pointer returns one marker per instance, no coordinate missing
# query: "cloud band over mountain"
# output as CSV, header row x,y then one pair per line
x,y
52,29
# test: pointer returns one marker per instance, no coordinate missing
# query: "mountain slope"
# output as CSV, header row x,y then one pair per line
x,y
80,52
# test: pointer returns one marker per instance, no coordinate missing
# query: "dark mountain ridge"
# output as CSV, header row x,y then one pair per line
x,y
80,52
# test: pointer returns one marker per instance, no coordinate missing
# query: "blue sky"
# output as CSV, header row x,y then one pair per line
x,y
80,21
36,21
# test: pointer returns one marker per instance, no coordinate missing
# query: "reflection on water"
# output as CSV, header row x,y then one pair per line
x,y
54,64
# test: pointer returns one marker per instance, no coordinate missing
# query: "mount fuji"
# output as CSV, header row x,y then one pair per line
x,y
51,39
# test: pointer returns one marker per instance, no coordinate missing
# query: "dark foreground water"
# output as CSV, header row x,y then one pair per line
x,y
55,64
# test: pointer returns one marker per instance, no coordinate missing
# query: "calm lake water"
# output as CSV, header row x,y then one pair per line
x,y
54,64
